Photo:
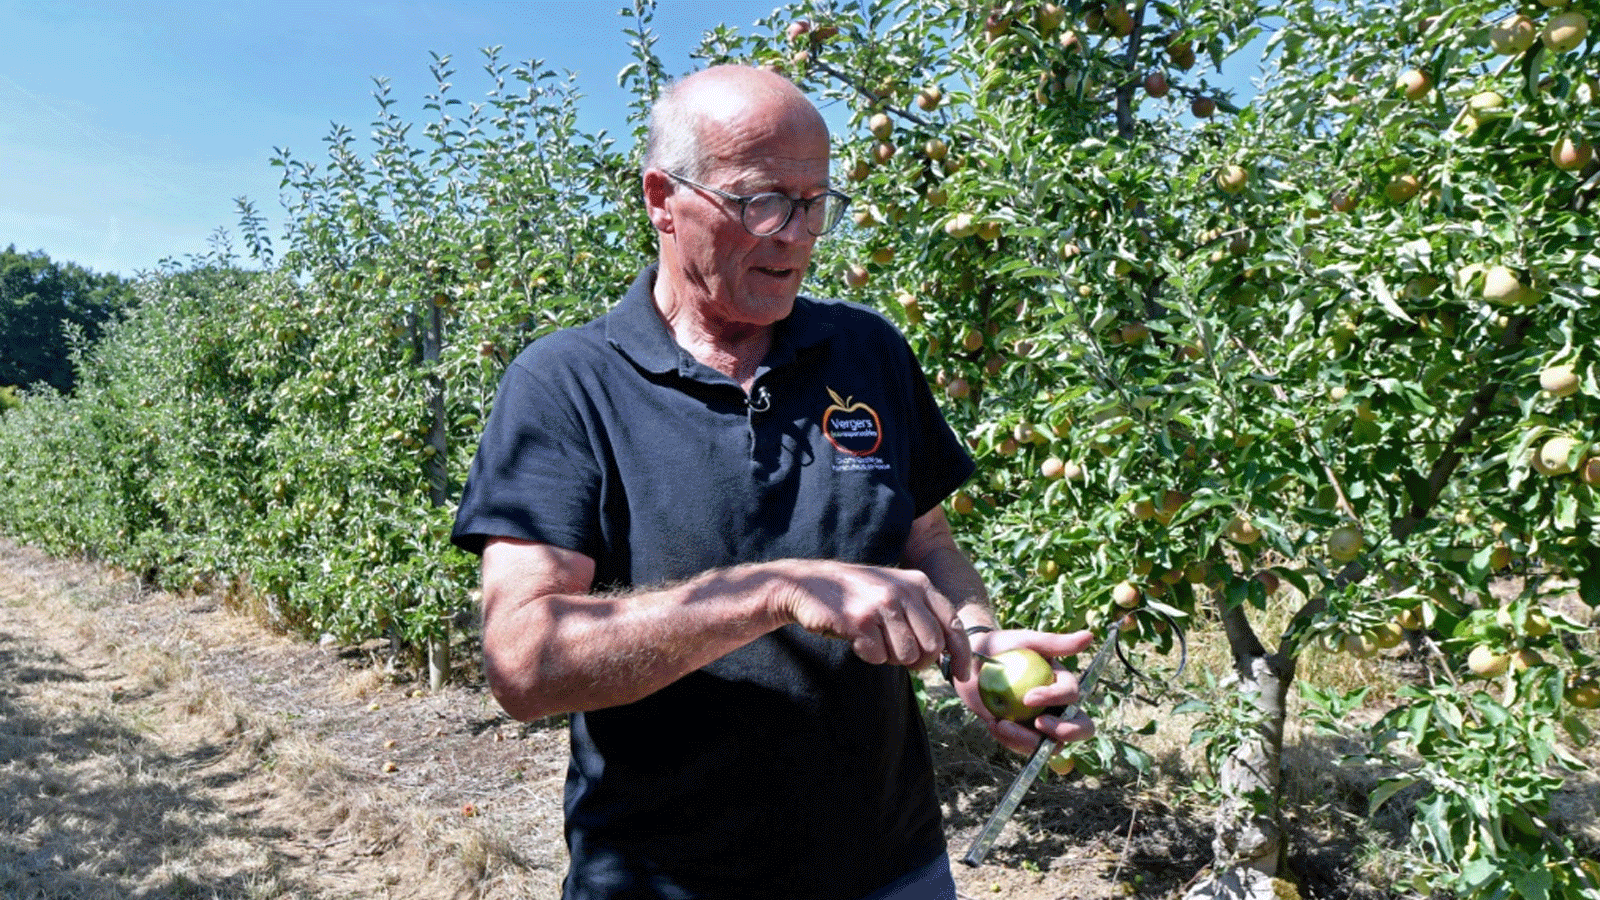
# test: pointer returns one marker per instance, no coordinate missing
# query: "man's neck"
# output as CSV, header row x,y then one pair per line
x,y
735,349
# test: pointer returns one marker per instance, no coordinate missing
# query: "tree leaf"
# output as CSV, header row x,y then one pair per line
x,y
1386,790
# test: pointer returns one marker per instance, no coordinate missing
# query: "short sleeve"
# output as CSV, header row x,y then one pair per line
x,y
535,475
941,463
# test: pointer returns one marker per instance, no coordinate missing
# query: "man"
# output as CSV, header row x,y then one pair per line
x,y
711,532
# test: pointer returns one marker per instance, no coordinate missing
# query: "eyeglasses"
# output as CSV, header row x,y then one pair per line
x,y
769,212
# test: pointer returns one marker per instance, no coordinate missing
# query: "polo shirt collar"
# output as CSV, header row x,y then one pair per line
x,y
635,328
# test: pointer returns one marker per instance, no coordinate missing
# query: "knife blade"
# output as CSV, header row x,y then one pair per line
x,y
1041,755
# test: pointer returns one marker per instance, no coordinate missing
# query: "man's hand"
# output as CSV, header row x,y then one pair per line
x,y
888,615
1017,736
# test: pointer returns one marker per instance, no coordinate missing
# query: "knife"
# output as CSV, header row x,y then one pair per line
x,y
1041,754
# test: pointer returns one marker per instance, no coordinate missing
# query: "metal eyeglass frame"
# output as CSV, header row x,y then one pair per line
x,y
745,201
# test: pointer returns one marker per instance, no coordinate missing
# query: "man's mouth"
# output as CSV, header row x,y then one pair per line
x,y
775,272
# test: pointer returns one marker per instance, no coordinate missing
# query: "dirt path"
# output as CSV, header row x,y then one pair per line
x,y
156,746
162,746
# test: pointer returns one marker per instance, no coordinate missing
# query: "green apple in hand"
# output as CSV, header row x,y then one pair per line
x,y
1006,678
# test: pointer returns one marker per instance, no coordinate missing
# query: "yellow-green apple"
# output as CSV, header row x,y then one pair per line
x,y
1126,594
1554,456
1345,542
1241,530
1565,31
1004,680
1583,692
1049,17
1387,636
1512,35
1483,662
1402,187
1502,286
960,225
1414,84
1358,644
1063,762
1560,381
1232,179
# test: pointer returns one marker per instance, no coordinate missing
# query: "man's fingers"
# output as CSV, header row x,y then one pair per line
x,y
959,648
900,642
1022,739
1060,692
890,616
1049,644
927,635
871,645
1014,736
1079,727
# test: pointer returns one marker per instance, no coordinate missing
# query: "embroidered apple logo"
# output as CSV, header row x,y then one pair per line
x,y
852,427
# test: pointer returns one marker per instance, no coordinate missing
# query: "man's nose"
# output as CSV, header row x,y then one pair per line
x,y
795,230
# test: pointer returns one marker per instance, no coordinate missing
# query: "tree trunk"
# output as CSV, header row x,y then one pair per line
x,y
439,660
1248,843
438,649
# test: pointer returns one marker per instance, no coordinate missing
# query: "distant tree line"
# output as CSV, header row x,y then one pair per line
x,y
47,309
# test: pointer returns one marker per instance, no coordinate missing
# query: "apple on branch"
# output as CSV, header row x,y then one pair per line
x,y
1232,179
1414,84
1565,31
1512,35
1571,155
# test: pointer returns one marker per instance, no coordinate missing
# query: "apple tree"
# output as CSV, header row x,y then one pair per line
x,y
424,259
299,434
1337,338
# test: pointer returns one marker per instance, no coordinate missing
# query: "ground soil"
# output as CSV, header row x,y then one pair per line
x,y
154,745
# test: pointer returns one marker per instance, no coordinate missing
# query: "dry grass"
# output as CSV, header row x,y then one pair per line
x,y
363,684
128,769
158,746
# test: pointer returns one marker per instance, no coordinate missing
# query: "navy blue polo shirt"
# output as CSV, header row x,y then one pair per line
x,y
788,768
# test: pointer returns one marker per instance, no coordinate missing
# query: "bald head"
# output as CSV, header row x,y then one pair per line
x,y
719,138
722,101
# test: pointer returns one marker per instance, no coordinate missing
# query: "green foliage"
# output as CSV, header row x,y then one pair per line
x,y
48,310
301,433
1178,384
1166,381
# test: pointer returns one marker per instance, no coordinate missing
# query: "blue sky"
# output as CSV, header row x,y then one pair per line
x,y
128,128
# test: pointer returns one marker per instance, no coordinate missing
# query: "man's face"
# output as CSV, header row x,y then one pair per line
x,y
732,276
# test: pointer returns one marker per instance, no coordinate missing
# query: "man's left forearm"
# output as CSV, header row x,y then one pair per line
x,y
932,550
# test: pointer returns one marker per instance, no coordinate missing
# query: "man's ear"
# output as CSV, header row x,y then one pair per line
x,y
657,188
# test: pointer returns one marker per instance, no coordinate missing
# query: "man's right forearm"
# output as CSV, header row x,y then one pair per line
x,y
550,646
557,652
